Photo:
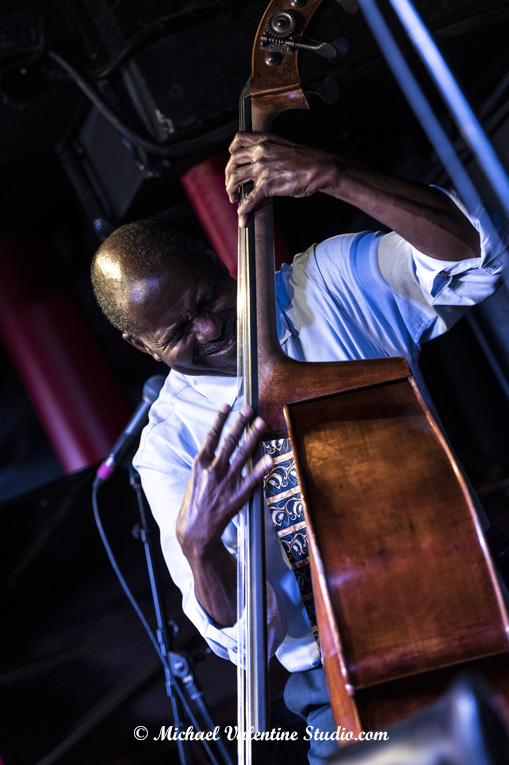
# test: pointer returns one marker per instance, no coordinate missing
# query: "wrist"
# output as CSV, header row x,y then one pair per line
x,y
203,553
331,175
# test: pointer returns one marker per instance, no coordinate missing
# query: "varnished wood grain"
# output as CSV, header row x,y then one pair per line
x,y
401,563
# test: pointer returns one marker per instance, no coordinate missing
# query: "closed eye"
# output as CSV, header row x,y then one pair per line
x,y
209,298
178,332
173,337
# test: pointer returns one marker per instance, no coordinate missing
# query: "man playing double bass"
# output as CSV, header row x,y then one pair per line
x,y
354,296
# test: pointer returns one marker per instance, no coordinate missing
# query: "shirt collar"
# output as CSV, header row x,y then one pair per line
x,y
214,387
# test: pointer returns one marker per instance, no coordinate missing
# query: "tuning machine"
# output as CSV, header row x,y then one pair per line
x,y
279,38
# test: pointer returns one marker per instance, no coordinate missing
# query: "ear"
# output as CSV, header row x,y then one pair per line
x,y
140,345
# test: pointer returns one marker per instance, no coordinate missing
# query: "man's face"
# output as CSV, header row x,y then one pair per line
x,y
189,318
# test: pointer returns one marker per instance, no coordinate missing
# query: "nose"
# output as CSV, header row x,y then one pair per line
x,y
207,328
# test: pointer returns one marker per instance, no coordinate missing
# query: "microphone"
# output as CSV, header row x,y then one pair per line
x,y
132,430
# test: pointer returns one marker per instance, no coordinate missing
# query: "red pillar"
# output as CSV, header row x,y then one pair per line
x,y
76,396
204,186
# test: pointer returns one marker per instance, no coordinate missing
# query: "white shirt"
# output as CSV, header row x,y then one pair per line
x,y
354,296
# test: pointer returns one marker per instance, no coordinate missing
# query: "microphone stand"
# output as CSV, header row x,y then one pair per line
x,y
177,666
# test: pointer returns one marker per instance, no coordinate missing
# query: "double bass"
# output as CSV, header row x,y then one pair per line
x,y
404,586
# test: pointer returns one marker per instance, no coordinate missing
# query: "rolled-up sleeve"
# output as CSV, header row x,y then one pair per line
x,y
467,282
433,294
225,642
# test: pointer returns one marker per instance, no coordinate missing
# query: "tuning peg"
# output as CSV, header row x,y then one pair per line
x,y
340,45
328,91
332,51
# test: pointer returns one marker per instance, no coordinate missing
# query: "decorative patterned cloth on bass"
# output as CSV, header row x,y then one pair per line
x,y
283,497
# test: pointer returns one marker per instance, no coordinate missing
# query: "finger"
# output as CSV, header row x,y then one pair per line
x,y
245,150
239,170
251,202
212,438
236,182
231,440
251,481
239,166
244,138
231,181
248,448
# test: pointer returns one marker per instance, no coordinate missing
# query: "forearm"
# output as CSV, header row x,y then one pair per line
x,y
421,214
215,581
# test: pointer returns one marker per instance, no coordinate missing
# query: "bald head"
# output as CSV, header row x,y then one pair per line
x,y
131,263
170,296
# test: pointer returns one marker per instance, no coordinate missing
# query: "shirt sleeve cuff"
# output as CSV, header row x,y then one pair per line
x,y
467,282
224,641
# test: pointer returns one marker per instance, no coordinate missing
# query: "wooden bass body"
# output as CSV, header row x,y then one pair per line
x,y
405,590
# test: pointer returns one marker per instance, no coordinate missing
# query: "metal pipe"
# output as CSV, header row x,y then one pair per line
x,y
466,121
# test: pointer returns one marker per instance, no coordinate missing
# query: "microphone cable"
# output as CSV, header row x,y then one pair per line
x,y
171,680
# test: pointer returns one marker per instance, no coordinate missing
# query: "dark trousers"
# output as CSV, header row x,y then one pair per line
x,y
306,695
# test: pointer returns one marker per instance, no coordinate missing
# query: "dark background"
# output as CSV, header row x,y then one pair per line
x,y
78,673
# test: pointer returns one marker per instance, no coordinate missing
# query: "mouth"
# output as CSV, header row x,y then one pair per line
x,y
223,344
